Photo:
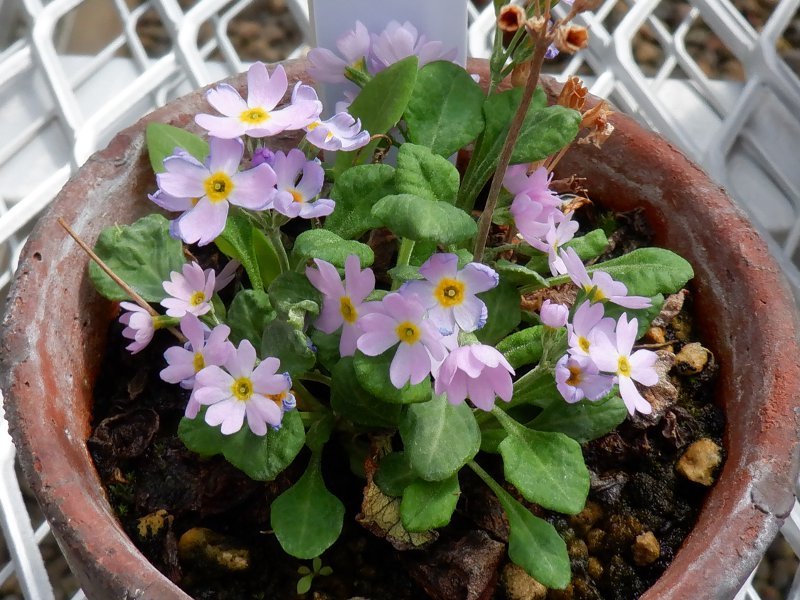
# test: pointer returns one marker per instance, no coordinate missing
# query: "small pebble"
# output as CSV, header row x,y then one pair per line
x,y
691,359
595,540
594,568
646,549
577,549
585,520
655,335
699,461
521,586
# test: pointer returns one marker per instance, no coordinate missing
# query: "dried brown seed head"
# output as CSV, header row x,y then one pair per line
x,y
570,38
519,76
536,25
511,18
573,94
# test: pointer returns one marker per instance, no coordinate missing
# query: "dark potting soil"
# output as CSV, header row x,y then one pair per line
x,y
205,525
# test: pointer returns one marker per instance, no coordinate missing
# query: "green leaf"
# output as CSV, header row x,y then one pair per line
x,y
536,387
419,219
249,314
260,457
519,274
304,584
502,303
372,372
307,519
546,467
533,543
162,139
351,401
545,130
583,421
269,265
319,432
588,246
289,345
355,192
326,245
525,347
445,111
142,254
380,105
403,273
429,504
327,345
395,474
439,438
422,173
243,241
293,297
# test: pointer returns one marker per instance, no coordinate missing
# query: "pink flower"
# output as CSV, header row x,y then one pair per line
x,y
397,42
295,192
203,192
401,319
140,326
601,286
534,219
553,314
258,117
535,186
343,304
354,46
556,236
476,371
340,132
614,356
189,292
449,294
204,348
242,389
577,377
587,324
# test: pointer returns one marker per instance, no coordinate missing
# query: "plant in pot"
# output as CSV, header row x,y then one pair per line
x,y
297,357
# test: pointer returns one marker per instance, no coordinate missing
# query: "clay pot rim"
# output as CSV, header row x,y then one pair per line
x,y
757,505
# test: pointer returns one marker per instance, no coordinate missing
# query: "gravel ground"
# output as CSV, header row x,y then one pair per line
x,y
266,31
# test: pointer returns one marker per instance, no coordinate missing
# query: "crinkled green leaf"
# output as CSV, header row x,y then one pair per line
x,y
294,298
327,345
502,303
248,315
546,467
326,245
439,438
163,139
424,220
380,105
260,457
307,519
355,192
445,112
525,347
519,274
243,241
352,402
142,254
422,173
289,345
429,504
395,474
583,421
372,373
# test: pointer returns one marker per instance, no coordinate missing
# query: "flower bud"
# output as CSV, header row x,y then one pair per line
x,y
571,38
554,315
511,18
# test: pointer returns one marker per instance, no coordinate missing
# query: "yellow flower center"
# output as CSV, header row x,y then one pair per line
x,y
297,196
198,362
254,116
242,389
328,136
278,398
218,187
194,201
450,292
349,312
575,376
623,366
197,298
583,343
314,125
408,332
595,294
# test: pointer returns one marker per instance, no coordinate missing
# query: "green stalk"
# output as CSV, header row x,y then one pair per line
x,y
274,235
404,256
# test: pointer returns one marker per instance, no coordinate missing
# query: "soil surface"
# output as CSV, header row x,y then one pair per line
x,y
206,526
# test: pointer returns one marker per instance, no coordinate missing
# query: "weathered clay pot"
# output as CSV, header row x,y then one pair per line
x,y
55,326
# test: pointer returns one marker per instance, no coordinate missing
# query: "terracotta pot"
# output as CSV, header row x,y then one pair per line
x,y
55,327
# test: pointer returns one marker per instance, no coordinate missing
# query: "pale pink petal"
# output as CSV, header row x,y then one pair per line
x,y
632,398
226,100
222,127
225,155
330,319
402,363
203,223
241,363
479,277
358,284
214,377
350,335
209,395
255,419
439,266
265,91
326,279
253,188
192,328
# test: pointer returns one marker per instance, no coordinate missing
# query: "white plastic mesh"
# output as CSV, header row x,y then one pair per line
x,y
73,72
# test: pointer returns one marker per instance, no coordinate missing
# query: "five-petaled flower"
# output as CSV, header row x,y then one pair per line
x,y
477,372
340,132
577,377
449,293
189,291
614,356
400,318
353,45
343,302
242,389
204,191
587,323
298,182
600,286
258,117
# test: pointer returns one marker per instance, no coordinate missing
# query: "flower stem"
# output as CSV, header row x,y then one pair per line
x,y
404,256
542,41
315,376
274,234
